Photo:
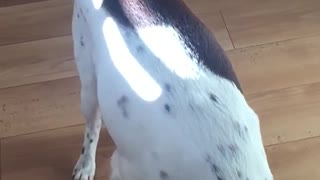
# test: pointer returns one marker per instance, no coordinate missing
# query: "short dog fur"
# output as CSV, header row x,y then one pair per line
x,y
155,76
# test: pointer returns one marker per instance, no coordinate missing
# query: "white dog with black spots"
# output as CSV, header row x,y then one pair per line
x,y
155,76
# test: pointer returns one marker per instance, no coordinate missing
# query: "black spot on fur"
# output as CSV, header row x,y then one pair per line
x,y
82,151
167,107
191,107
78,15
239,174
234,149
140,49
122,103
240,130
91,140
88,136
246,129
217,172
82,41
213,97
163,175
215,169
167,87
222,150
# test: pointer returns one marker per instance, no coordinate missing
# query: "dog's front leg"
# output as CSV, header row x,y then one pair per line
x,y
85,167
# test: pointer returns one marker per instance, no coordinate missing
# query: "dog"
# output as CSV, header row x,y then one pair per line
x,y
153,74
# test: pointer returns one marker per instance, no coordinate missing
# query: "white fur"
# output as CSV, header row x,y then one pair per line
x,y
153,144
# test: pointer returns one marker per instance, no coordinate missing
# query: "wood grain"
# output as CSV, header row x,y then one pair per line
x,y
40,107
288,114
18,2
35,21
295,160
203,6
269,21
277,65
36,61
50,155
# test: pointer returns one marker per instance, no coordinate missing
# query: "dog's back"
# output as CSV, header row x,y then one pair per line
x,y
167,93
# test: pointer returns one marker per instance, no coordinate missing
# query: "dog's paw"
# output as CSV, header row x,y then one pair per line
x,y
84,169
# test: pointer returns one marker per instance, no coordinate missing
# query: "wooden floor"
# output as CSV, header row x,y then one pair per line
x,y
274,46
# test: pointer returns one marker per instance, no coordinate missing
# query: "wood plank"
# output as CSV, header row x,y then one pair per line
x,y
209,6
37,61
269,21
35,21
295,160
277,65
40,107
50,155
288,114
18,2
203,6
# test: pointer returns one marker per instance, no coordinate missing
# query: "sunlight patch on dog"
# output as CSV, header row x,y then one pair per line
x,y
139,80
175,55
97,4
